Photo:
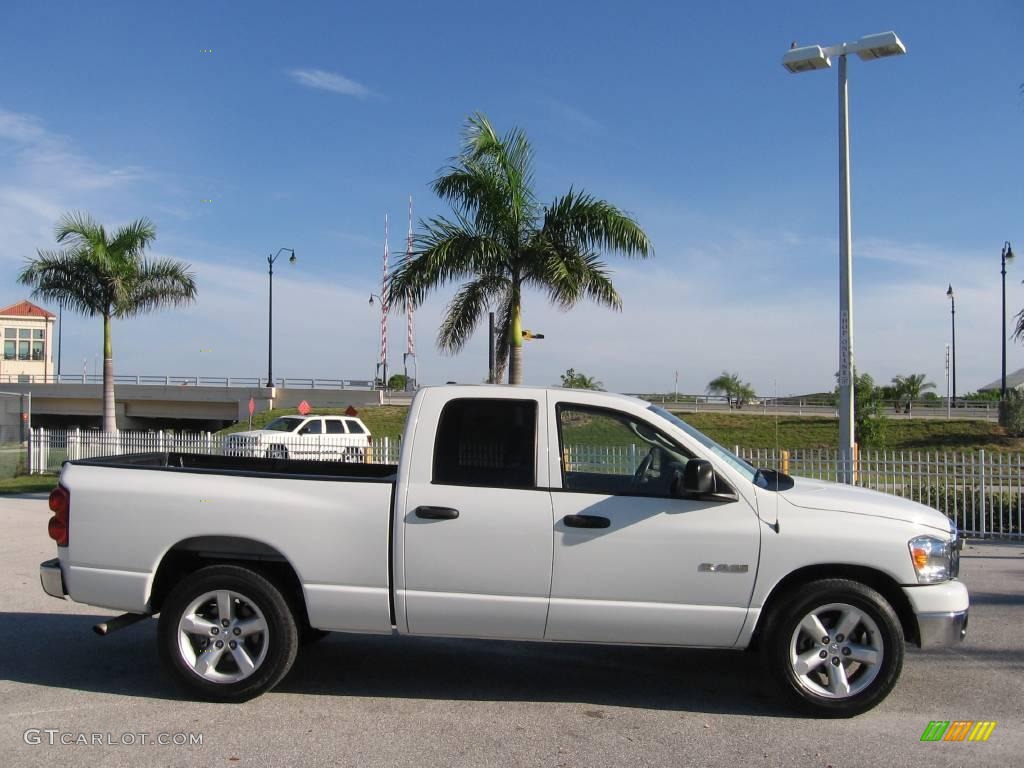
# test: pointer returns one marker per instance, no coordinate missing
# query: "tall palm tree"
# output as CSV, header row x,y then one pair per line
x,y
502,240
911,387
110,276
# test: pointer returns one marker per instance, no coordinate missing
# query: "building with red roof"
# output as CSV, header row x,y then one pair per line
x,y
27,331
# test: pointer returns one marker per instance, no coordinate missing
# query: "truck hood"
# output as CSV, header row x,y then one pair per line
x,y
256,433
839,497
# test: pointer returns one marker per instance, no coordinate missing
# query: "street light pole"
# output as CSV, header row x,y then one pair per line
x,y
1007,255
952,321
270,312
382,366
804,60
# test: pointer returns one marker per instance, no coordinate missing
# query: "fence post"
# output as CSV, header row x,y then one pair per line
x,y
44,449
31,444
981,473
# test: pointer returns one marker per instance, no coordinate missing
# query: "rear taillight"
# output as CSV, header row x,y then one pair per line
x,y
60,505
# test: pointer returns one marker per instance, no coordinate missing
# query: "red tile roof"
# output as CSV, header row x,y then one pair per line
x,y
25,308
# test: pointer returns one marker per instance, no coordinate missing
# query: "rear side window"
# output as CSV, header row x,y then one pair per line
x,y
355,428
335,426
486,442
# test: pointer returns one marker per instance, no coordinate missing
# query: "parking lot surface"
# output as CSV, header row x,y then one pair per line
x,y
379,701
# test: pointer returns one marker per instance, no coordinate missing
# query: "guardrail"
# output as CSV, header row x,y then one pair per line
x,y
193,381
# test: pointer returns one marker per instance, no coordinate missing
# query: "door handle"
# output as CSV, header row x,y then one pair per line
x,y
586,521
436,513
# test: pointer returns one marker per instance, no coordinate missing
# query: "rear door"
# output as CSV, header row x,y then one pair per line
x,y
477,549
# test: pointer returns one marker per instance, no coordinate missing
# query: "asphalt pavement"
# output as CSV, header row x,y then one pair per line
x,y
386,701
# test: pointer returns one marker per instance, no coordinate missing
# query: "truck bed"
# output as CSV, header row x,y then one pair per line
x,y
204,463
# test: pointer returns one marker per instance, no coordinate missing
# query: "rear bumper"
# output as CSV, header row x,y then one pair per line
x,y
52,578
941,630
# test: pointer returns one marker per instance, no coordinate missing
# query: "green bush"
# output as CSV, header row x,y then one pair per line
x,y
1011,413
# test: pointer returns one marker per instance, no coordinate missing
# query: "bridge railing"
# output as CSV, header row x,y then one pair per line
x,y
189,381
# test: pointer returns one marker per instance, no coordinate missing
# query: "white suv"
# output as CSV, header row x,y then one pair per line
x,y
303,437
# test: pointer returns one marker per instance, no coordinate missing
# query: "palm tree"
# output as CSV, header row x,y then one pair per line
x,y
911,387
573,380
502,240
732,386
100,274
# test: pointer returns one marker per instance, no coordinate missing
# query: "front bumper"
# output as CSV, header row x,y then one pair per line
x,y
941,630
52,578
941,611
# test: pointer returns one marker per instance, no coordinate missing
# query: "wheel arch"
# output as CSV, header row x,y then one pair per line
x,y
191,554
880,581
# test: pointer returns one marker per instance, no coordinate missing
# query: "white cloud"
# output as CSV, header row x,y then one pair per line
x,y
329,81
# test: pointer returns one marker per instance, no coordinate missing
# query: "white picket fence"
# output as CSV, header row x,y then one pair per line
x,y
983,492
49,449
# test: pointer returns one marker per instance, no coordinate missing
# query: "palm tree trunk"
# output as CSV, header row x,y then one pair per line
x,y
109,415
515,347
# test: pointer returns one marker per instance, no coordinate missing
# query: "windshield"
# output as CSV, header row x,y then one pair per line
x,y
284,424
734,461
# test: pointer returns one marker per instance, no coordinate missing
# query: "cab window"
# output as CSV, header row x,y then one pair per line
x,y
486,442
610,452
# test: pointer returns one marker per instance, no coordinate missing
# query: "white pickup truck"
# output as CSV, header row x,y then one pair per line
x,y
514,513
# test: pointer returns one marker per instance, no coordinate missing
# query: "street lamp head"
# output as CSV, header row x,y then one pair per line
x,y
1007,251
949,291
292,259
371,299
879,46
806,59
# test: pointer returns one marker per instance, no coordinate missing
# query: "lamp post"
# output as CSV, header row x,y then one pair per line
x,y
1007,255
270,313
806,59
952,320
382,366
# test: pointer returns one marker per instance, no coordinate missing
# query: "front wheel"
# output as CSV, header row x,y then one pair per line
x,y
836,648
227,634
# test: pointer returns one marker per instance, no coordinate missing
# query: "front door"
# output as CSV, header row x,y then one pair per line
x,y
477,524
631,559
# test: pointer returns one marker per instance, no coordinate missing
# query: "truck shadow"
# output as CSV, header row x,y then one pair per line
x,y
684,680
125,663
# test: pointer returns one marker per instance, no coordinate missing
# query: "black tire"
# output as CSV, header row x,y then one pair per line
x,y
277,452
878,636
275,649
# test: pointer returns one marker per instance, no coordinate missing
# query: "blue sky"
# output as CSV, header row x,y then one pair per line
x,y
306,123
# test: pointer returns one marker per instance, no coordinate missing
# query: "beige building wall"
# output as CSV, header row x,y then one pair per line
x,y
26,332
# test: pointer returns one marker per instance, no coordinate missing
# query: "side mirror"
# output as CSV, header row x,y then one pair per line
x,y
698,478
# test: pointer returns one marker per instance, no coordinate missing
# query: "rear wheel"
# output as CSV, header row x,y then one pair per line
x,y
227,634
836,648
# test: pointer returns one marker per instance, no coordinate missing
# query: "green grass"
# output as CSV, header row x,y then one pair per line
x,y
747,430
28,484
759,431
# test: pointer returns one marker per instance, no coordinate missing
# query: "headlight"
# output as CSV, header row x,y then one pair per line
x,y
932,559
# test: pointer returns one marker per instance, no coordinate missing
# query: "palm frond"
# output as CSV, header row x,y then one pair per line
x,y
445,252
595,224
131,240
466,309
160,283
64,278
